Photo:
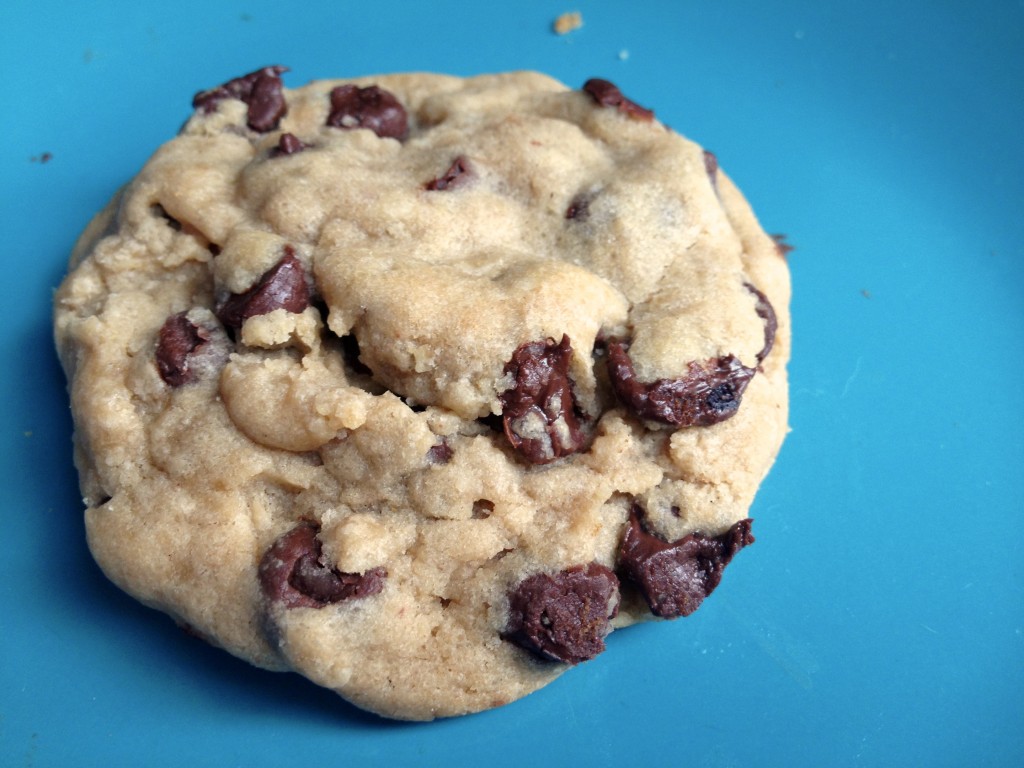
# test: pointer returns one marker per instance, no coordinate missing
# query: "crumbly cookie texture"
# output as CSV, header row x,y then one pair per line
x,y
419,385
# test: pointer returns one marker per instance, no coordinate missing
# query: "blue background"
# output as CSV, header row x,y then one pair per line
x,y
878,621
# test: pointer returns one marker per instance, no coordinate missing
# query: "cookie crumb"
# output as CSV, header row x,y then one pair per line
x,y
865,293
568,22
41,159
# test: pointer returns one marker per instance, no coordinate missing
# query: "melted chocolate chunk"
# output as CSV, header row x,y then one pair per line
x,y
371,107
675,577
179,339
539,412
706,395
261,90
283,286
458,174
293,572
288,144
607,94
766,312
564,616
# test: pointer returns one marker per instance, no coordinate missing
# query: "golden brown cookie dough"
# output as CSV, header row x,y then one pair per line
x,y
420,385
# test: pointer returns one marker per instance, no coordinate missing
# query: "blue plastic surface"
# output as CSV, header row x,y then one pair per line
x,y
878,621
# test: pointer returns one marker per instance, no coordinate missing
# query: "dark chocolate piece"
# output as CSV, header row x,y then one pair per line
x,y
607,94
781,246
293,572
675,577
711,166
179,339
539,412
261,90
706,395
288,144
482,509
441,453
371,107
283,286
766,312
564,616
458,174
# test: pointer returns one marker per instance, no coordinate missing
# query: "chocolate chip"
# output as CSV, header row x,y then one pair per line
x,y
564,616
283,286
482,509
293,572
539,412
441,453
710,164
288,144
371,107
579,208
261,90
178,339
781,246
711,167
766,312
458,173
607,94
708,394
675,577
266,103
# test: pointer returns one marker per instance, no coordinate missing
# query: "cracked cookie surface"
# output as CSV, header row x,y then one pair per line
x,y
420,385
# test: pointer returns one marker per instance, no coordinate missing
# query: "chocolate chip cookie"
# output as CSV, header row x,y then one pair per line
x,y
421,386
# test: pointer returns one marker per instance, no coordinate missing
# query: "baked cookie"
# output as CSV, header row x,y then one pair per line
x,y
419,385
